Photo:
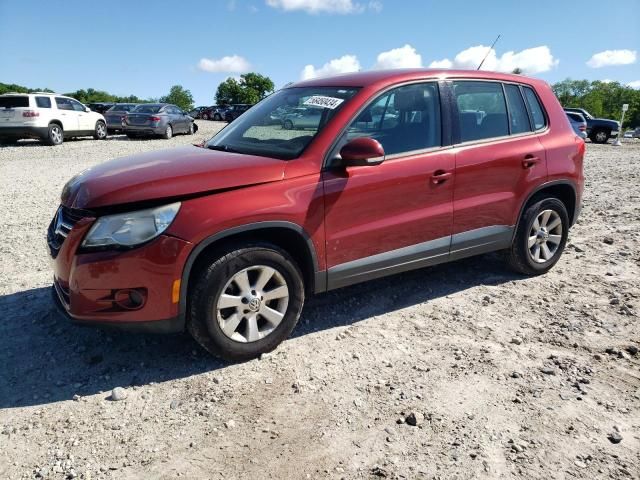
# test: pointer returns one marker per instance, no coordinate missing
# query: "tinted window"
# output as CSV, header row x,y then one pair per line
x,y
147,109
14,101
482,111
404,119
517,111
535,108
77,106
576,117
43,102
64,103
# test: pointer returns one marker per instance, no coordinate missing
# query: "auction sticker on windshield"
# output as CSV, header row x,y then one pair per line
x,y
324,102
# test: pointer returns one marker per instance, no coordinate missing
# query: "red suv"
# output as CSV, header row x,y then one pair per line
x,y
399,170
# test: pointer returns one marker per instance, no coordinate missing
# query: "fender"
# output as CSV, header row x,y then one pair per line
x,y
542,187
320,278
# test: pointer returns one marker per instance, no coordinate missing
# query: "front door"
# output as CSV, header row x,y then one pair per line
x,y
86,121
68,116
397,215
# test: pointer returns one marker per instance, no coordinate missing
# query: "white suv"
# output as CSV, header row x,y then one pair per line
x,y
47,116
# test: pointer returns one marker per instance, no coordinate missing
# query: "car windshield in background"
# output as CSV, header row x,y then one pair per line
x,y
13,102
147,109
283,124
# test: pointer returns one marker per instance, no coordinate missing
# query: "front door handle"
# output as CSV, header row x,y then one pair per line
x,y
529,161
440,176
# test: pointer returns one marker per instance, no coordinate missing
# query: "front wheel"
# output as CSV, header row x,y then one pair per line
x,y
192,129
540,237
600,136
217,117
287,125
101,131
246,302
205,116
168,132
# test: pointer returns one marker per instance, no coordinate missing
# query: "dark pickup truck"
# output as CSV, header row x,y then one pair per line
x,y
599,130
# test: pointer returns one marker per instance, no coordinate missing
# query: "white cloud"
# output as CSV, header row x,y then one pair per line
x,y
317,6
375,5
228,64
344,64
610,58
635,84
530,60
403,57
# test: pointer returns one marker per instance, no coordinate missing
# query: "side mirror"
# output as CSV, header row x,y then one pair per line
x,y
87,109
362,152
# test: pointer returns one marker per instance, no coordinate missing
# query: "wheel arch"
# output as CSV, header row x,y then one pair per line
x,y
287,235
564,190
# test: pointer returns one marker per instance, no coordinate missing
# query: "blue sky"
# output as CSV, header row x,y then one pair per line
x,y
142,48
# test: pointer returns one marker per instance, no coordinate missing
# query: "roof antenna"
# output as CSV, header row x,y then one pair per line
x,y
489,51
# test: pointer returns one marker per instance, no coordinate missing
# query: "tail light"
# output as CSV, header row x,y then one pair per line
x,y
154,119
582,128
30,113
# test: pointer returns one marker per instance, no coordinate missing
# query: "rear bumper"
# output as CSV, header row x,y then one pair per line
x,y
24,132
143,130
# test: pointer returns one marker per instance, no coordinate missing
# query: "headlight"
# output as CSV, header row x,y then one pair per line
x,y
132,228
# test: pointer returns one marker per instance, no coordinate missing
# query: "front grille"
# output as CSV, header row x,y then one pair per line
x,y
62,223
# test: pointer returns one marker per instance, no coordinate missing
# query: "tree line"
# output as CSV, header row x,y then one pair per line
x,y
601,99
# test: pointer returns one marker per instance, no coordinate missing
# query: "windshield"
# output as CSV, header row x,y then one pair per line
x,y
283,124
147,109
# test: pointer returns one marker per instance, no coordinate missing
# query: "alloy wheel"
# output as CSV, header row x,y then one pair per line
x,y
56,134
252,303
545,236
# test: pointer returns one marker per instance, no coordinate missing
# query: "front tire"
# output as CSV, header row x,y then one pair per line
x,y
168,132
101,131
540,237
217,117
600,136
287,125
192,129
246,302
55,135
205,116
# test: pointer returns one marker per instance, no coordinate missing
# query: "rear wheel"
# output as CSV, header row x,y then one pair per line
x,y
246,302
600,136
217,117
287,125
168,132
540,237
192,129
101,131
55,135
205,116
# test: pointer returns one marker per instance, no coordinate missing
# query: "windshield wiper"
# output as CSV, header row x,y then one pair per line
x,y
222,148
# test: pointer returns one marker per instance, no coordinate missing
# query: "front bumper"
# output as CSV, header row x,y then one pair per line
x,y
91,288
25,131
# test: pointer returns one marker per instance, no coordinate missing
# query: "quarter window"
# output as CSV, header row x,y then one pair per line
x,y
482,111
43,102
404,119
518,116
537,114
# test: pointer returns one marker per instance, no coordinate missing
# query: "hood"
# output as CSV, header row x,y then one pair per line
x,y
606,121
167,174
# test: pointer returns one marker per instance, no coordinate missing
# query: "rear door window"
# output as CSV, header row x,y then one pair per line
x,y
43,102
518,116
482,110
537,113
14,101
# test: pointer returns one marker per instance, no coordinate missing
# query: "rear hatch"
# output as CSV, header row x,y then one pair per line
x,y
11,109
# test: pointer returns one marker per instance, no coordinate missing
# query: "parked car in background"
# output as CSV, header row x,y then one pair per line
x,y
578,123
599,130
235,110
227,239
636,133
100,107
302,118
150,119
49,117
628,134
115,115
197,112
214,112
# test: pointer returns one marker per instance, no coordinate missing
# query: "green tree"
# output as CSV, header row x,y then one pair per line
x,y
179,96
251,88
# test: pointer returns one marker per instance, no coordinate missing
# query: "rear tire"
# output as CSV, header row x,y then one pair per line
x,y
287,125
101,131
540,238
55,135
192,129
217,117
239,331
205,116
168,132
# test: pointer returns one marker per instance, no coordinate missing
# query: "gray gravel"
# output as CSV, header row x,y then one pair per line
x,y
415,376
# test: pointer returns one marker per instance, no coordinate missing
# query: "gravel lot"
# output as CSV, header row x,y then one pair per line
x,y
459,371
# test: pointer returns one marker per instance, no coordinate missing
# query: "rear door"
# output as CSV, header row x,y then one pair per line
x,y
397,215
498,158
67,115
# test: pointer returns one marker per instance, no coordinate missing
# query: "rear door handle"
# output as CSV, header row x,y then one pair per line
x,y
529,161
440,176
